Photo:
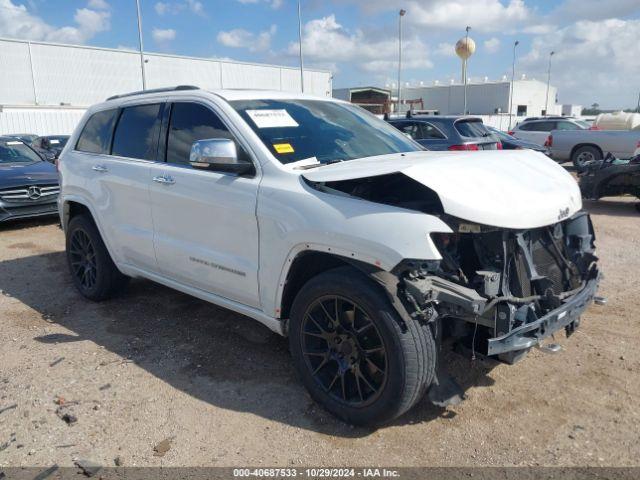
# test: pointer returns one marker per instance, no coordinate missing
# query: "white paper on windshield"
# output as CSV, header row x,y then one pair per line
x,y
14,143
272,118
54,142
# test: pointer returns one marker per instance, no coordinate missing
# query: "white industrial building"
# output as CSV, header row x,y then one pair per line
x,y
45,87
488,98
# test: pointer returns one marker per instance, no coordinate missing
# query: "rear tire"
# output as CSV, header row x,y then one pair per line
x,y
584,155
93,272
385,364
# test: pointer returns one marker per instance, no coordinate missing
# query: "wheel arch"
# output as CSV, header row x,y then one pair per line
x,y
308,263
580,145
72,206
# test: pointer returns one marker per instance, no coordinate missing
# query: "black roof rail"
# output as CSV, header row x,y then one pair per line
x,y
155,90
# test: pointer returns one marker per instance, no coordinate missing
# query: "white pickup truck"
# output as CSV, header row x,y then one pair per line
x,y
331,227
584,146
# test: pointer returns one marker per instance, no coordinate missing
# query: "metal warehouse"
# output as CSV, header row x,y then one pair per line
x,y
45,87
488,98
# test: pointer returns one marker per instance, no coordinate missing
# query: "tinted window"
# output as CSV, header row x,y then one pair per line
x,y
409,128
96,135
191,122
296,130
569,126
471,128
136,134
539,126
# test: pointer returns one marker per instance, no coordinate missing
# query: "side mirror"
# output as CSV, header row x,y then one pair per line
x,y
218,154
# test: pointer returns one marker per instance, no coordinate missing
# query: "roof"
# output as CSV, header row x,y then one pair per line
x,y
227,94
242,94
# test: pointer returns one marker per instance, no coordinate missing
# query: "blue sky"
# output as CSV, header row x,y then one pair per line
x,y
596,41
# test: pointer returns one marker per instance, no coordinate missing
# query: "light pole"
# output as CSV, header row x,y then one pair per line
x,y
546,104
144,79
300,42
513,74
401,14
464,72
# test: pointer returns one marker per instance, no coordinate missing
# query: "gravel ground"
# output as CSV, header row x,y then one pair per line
x,y
206,387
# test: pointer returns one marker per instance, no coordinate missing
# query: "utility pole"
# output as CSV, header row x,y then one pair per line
x,y
546,104
300,42
401,14
144,79
513,74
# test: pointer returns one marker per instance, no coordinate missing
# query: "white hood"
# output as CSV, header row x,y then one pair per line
x,y
516,189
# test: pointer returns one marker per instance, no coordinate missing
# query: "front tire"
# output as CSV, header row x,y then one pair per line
x,y
93,272
354,354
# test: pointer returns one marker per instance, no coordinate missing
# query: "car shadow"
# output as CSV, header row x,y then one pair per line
x,y
210,353
613,206
29,222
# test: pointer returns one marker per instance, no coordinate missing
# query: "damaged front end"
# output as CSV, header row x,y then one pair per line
x,y
504,289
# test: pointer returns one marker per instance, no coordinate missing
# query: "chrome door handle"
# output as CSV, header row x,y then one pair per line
x,y
100,168
165,180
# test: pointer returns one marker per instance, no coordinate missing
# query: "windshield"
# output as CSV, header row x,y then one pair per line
x,y
295,130
14,151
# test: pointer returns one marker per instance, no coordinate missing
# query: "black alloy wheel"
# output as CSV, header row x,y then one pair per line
x,y
344,350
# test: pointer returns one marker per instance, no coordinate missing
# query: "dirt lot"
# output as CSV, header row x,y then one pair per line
x,y
155,364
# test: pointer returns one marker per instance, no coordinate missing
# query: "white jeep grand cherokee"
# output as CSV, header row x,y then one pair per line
x,y
328,225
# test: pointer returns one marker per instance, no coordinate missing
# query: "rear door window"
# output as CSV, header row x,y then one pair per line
x,y
136,134
568,126
540,126
471,128
96,134
412,129
430,132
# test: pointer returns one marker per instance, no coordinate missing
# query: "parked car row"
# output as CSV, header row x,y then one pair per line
x,y
28,184
436,132
569,139
48,147
447,132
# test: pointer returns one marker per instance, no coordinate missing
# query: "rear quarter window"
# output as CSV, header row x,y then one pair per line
x,y
96,134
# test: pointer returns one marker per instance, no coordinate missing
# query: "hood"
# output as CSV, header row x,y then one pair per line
x,y
38,173
516,189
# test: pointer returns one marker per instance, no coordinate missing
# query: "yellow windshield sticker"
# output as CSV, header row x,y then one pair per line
x,y
283,147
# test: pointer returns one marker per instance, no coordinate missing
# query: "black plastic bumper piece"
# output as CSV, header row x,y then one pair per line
x,y
531,333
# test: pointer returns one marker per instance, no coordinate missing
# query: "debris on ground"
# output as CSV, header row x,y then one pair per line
x,y
105,387
5,445
56,362
118,461
66,415
88,467
163,447
10,407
